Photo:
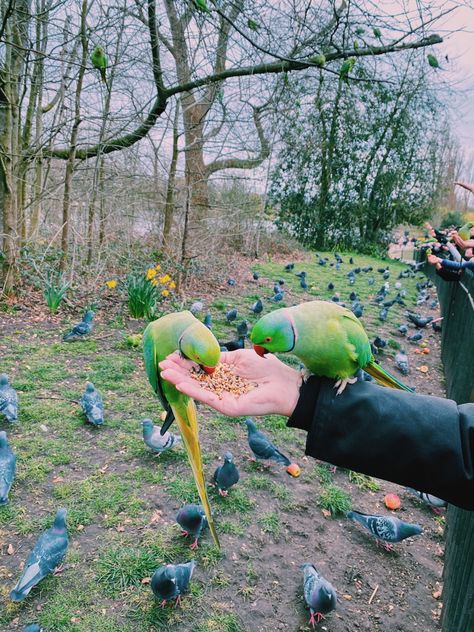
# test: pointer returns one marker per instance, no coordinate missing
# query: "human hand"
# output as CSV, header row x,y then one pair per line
x,y
434,261
277,391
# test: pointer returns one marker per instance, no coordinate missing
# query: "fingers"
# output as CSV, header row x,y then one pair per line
x,y
177,362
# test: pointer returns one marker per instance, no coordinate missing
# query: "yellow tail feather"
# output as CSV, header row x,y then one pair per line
x,y
384,377
190,433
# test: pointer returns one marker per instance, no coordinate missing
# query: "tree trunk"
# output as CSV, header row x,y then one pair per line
x,y
169,201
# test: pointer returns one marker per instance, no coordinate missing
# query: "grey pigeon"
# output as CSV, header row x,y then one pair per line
x,y
81,330
157,442
276,288
303,284
231,315
383,314
301,274
231,281
208,321
419,321
226,474
436,326
8,400
432,501
289,267
171,581
278,297
243,328
33,627
403,329
196,307
401,362
7,468
233,345
45,558
330,286
415,338
257,307
92,405
192,520
357,309
370,281
379,342
262,447
319,594
255,276
385,529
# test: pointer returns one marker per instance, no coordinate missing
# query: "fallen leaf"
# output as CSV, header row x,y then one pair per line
x,y
80,527
146,580
156,516
347,597
10,549
326,513
423,368
58,479
120,529
104,469
436,594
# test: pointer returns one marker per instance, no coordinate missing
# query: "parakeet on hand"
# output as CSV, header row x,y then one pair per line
x,y
327,338
99,61
182,332
465,231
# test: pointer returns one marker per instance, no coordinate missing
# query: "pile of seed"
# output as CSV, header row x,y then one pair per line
x,y
223,380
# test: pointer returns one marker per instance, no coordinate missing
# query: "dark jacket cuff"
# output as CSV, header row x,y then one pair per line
x,y
303,414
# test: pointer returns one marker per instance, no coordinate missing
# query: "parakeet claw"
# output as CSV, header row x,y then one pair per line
x,y
163,603
341,384
223,492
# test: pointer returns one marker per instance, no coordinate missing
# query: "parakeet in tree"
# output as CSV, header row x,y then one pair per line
x,y
465,231
182,332
433,62
99,61
201,6
327,338
346,67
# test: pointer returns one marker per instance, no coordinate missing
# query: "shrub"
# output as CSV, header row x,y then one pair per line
x,y
335,500
54,291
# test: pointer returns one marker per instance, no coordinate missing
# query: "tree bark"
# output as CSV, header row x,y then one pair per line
x,y
170,186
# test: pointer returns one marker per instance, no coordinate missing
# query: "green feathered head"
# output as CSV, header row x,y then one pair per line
x,y
199,345
274,333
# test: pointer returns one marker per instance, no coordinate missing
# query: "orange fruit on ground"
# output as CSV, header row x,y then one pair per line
x,y
392,501
293,470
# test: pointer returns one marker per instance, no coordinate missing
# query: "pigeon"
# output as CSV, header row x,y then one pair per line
x,y
208,321
415,338
366,269
436,326
322,262
171,581
432,501
33,627
196,307
233,345
335,298
381,270
319,594
45,558
231,315
338,265
276,288
390,303
351,261
383,314
192,520
7,468
418,321
243,328
231,281
289,267
380,343
226,474
434,304
257,307
92,405
386,529
81,329
370,280
281,282
356,271
401,362
255,276
386,274
351,280
353,296
8,400
262,447
303,284
157,442
357,309
301,274
403,329
278,297
330,286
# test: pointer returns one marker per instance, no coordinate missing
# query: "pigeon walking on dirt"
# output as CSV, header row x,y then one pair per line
x,y
33,627
402,330
171,581
415,337
262,447
319,594
419,321
8,400
45,558
432,501
257,307
385,529
7,468
401,362
226,475
92,405
289,267
231,315
157,442
192,520
79,331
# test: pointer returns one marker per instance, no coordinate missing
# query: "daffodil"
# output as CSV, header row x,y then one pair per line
x,y
154,282
164,279
151,274
111,284
157,267
172,285
165,293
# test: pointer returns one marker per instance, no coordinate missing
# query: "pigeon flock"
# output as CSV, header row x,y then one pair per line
x,y
170,581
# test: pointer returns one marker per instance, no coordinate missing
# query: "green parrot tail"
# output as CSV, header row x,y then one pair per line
x,y
384,377
185,414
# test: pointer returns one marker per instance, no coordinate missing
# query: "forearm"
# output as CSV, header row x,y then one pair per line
x,y
414,440
457,265
454,251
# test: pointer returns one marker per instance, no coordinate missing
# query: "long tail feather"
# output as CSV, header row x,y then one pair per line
x,y
384,377
187,422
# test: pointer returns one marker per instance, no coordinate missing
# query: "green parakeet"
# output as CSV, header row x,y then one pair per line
x,y
346,66
201,6
465,231
99,61
433,62
327,338
182,332
377,33
252,25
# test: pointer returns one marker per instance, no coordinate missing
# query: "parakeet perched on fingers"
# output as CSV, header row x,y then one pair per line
x,y
182,332
327,338
99,61
465,231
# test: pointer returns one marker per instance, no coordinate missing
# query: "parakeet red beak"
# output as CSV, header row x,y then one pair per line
x,y
261,351
208,369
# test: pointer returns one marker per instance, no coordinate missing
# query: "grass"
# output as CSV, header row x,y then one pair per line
x,y
269,522
364,482
335,500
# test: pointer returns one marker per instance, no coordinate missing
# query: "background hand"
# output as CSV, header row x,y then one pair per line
x,y
277,391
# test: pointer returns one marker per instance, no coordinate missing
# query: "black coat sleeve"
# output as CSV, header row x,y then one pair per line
x,y
419,441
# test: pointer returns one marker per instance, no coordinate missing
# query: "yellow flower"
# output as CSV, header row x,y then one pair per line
x,y
154,282
111,284
165,278
151,274
165,293
172,285
157,267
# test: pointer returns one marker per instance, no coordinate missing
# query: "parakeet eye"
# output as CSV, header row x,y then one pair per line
x,y
268,339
